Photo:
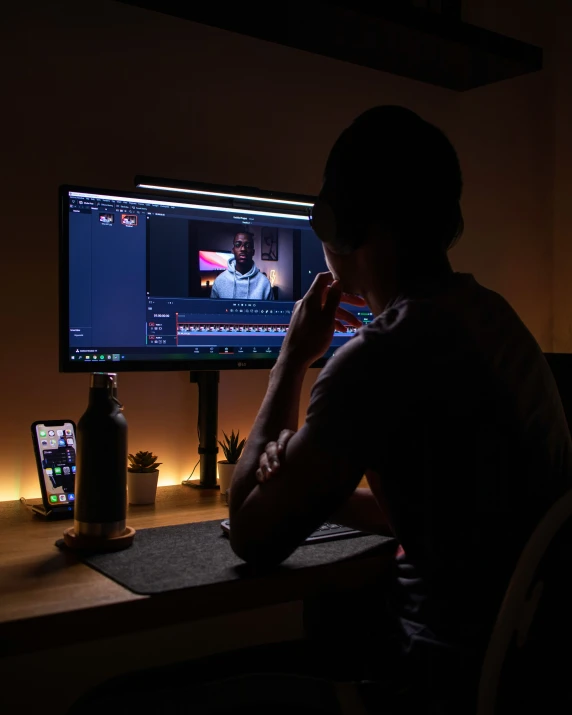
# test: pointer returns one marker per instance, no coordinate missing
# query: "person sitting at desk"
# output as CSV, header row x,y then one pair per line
x,y
242,278
444,402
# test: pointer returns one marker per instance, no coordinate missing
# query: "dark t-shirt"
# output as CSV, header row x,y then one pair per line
x,y
449,399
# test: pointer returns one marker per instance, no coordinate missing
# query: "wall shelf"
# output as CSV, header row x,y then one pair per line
x,y
396,37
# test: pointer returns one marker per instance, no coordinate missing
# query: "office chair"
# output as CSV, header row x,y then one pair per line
x,y
528,660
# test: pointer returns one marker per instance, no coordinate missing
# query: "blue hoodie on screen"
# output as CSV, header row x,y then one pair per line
x,y
232,284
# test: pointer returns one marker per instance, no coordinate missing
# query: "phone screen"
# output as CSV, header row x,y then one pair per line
x,y
56,448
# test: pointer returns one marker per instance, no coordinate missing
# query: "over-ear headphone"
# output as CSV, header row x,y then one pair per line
x,y
343,228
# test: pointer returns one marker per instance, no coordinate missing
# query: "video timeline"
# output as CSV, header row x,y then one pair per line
x,y
195,328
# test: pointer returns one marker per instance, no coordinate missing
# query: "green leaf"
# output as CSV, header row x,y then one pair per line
x,y
143,462
232,446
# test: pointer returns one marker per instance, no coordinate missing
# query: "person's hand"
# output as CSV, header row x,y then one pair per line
x,y
269,462
315,318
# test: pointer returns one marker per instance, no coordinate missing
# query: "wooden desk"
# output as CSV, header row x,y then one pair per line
x,y
53,607
36,577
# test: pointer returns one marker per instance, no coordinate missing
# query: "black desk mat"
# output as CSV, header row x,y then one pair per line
x,y
169,558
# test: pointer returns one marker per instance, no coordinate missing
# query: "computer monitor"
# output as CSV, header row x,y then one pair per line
x,y
206,281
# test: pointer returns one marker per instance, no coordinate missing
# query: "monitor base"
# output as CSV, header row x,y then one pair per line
x,y
198,485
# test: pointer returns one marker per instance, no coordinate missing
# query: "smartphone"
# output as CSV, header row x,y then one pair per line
x,y
55,450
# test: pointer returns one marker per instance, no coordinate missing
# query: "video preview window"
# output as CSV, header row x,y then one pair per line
x,y
220,260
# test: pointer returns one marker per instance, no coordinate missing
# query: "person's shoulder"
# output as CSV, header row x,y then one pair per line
x,y
409,325
485,314
400,324
223,275
390,326
410,320
350,359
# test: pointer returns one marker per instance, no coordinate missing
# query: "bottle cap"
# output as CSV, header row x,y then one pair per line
x,y
103,379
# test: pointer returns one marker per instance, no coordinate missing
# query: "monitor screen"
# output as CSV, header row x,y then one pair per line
x,y
149,282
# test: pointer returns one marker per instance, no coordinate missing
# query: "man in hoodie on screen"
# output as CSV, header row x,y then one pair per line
x,y
242,278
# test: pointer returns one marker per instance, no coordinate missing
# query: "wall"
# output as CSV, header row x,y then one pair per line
x,y
99,92
506,144
283,267
563,180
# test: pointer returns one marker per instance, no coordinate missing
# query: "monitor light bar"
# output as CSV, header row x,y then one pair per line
x,y
223,209
223,194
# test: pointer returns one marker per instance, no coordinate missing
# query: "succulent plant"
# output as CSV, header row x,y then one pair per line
x,y
143,462
231,447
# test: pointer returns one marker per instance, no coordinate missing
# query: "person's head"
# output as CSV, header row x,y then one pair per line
x,y
243,249
392,187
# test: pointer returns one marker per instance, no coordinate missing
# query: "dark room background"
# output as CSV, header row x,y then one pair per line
x,y
97,92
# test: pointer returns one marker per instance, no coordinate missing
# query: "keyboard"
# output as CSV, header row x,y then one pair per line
x,y
326,532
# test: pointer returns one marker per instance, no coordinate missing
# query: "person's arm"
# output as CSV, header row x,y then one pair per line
x,y
361,511
214,291
279,410
268,521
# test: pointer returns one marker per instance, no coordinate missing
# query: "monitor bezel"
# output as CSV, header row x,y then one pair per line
x,y
66,365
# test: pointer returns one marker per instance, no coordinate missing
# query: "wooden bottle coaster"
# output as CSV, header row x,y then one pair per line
x,y
101,544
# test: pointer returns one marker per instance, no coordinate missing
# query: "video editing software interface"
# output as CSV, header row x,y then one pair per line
x,y
162,280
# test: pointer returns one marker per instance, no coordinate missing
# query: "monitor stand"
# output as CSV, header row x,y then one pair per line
x,y
207,381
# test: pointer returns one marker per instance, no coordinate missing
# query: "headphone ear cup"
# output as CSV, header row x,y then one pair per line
x,y
323,221
327,227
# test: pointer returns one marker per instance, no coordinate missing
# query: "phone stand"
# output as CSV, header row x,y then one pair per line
x,y
52,514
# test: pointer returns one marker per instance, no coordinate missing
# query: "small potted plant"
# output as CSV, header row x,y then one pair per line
x,y
232,448
142,477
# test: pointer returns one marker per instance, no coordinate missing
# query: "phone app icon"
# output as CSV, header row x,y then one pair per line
x,y
51,433
71,497
44,443
73,469
70,441
69,433
42,433
53,498
66,470
61,443
53,443
49,471
57,470
60,433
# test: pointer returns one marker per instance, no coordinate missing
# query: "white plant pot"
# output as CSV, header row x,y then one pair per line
x,y
142,487
225,472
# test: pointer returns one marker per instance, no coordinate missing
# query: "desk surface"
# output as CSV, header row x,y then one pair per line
x,y
42,586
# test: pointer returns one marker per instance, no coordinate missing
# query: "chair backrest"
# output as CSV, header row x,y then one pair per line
x,y
534,619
